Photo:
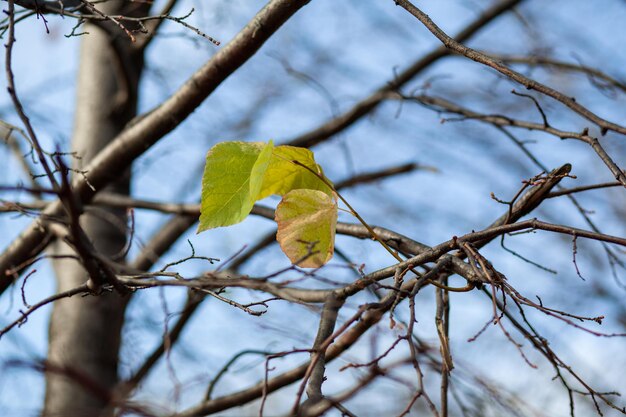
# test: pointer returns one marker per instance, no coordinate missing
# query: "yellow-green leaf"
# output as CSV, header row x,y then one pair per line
x,y
283,175
232,180
307,220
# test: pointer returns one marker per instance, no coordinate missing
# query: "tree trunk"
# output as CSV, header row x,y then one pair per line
x,y
84,334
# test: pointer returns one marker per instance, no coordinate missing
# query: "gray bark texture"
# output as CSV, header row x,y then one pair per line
x,y
84,335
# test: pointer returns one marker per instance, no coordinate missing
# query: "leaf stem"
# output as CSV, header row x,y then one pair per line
x,y
375,236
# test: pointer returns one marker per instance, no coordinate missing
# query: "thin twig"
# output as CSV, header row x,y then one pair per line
x,y
530,84
81,289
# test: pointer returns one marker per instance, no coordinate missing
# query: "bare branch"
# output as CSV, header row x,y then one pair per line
x,y
481,58
504,121
534,60
318,353
367,105
82,289
153,26
147,129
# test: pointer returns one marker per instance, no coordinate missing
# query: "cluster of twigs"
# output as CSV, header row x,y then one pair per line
x,y
87,11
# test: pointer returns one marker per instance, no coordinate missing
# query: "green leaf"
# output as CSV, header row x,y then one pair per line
x,y
283,175
307,220
232,180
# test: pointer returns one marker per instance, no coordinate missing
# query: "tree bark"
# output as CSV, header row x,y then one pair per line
x,y
84,334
